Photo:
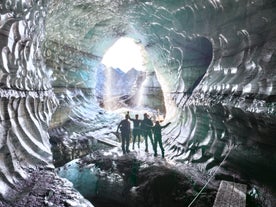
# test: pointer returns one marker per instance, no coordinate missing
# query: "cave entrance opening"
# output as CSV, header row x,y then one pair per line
x,y
122,77
125,54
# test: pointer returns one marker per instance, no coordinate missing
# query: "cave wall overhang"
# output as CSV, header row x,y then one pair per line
x,y
214,61
78,34
229,103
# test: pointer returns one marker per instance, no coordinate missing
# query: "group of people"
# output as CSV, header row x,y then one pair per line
x,y
145,128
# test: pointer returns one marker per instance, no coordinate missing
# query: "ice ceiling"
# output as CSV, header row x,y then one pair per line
x,y
210,65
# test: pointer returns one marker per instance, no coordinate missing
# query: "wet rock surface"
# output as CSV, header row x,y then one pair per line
x,y
161,186
139,180
145,181
45,188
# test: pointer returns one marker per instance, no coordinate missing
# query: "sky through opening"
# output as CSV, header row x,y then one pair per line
x,y
125,54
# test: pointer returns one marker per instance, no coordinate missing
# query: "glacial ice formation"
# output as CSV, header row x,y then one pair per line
x,y
27,104
210,65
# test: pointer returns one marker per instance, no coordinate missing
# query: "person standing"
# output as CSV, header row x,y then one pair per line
x,y
146,126
124,127
158,137
136,130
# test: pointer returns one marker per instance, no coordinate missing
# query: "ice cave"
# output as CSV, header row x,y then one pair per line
x,y
206,66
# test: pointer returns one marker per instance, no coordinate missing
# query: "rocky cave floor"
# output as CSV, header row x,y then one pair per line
x,y
44,189
148,182
153,181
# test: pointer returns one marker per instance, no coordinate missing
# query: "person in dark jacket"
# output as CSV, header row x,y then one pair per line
x,y
146,126
136,130
124,127
158,137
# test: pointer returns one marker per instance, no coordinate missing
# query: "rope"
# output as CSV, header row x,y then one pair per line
x,y
198,194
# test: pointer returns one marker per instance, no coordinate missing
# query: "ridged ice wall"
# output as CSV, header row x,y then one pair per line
x,y
26,99
214,60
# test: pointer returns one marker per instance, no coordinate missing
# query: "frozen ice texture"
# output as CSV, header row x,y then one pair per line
x,y
214,61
